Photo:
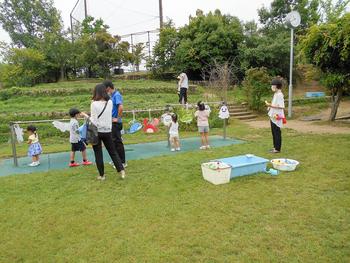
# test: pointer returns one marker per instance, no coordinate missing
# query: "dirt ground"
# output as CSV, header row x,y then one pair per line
x,y
314,126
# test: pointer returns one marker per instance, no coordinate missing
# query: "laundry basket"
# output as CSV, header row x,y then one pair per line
x,y
216,172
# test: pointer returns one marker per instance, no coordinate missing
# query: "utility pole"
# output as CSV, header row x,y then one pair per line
x,y
160,14
85,9
149,46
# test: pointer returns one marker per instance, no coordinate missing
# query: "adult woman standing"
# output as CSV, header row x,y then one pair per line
x,y
101,116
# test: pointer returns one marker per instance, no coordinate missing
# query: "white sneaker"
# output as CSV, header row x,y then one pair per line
x,y
173,150
32,164
203,147
122,174
178,149
102,178
208,146
125,165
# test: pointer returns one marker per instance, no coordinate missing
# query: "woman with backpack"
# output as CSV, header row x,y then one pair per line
x,y
101,117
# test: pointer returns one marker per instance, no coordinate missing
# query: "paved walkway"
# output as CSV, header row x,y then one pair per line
x,y
56,161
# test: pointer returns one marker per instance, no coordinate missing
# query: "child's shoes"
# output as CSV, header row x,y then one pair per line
x,y
33,164
173,149
86,162
178,149
203,147
73,164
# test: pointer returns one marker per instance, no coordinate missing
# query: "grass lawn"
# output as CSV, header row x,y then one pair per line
x,y
165,212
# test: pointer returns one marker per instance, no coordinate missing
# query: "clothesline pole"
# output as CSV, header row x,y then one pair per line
x,y
13,143
225,129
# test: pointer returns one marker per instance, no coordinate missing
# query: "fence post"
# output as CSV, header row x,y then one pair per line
x,y
13,143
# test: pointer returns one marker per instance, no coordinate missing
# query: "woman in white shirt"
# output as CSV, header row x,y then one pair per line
x,y
276,114
101,116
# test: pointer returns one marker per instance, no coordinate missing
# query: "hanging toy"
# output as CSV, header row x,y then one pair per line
x,y
166,119
62,126
150,127
135,126
224,113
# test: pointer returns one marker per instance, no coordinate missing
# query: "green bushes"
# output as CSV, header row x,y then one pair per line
x,y
256,86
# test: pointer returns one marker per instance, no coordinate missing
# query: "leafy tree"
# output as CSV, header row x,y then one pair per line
x,y
207,38
327,46
265,50
25,67
98,50
273,17
332,10
138,55
26,21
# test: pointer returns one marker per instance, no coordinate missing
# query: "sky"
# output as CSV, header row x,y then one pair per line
x,y
130,16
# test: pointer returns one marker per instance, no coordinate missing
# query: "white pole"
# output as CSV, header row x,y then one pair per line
x,y
291,74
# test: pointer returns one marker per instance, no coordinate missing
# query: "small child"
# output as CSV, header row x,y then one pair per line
x,y
202,116
75,140
34,149
174,133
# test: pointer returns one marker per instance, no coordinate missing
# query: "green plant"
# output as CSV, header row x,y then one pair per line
x,y
256,85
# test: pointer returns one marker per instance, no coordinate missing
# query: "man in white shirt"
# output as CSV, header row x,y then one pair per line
x,y
276,114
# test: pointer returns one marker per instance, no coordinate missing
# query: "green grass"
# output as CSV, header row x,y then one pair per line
x,y
165,212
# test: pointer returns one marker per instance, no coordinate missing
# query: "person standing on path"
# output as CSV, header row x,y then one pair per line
x,y
276,114
117,124
183,87
101,116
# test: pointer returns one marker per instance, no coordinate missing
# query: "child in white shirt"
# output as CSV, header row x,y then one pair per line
x,y
174,134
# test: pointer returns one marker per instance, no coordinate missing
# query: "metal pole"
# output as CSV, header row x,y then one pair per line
x,y
149,46
13,143
225,129
85,9
71,28
291,74
160,14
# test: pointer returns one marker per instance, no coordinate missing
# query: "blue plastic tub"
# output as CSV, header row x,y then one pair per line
x,y
243,165
315,94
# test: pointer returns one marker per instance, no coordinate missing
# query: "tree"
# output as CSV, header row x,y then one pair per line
x,y
98,50
207,38
25,67
265,50
273,17
331,10
138,55
26,21
327,47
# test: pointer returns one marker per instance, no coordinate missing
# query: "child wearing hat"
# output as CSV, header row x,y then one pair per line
x,y
75,140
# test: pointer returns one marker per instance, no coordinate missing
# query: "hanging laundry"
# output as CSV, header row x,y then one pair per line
x,y
19,133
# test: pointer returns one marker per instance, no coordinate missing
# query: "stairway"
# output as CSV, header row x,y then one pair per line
x,y
240,112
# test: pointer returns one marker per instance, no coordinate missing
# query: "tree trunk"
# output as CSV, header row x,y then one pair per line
x,y
62,73
335,104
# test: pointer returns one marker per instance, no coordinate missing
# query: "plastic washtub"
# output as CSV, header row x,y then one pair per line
x,y
284,164
216,172
245,165
314,94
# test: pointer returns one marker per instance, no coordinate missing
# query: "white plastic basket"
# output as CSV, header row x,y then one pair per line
x,y
284,164
216,172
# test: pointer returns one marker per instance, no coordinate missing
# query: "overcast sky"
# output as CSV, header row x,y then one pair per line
x,y
129,16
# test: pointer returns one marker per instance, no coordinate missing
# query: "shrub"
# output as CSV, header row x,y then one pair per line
x,y
256,85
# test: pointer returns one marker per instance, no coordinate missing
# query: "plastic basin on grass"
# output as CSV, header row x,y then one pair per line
x,y
314,94
284,164
245,164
